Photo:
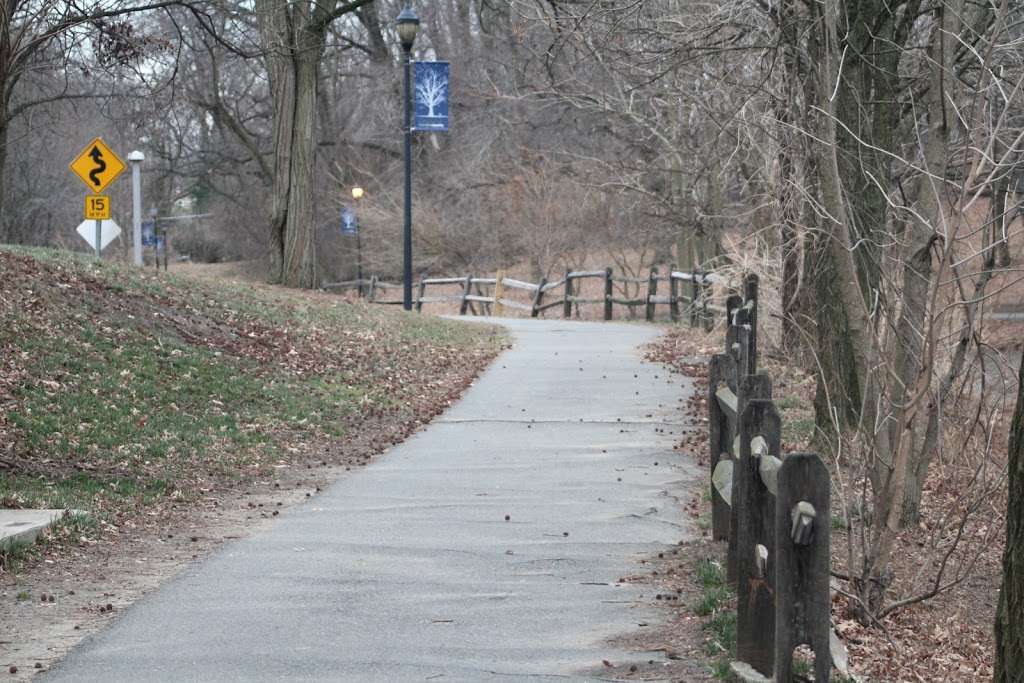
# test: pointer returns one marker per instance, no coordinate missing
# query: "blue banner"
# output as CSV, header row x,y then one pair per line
x,y
149,233
431,96
349,223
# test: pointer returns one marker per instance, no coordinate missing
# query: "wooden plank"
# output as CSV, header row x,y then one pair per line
x,y
553,285
517,305
519,284
802,595
660,300
727,401
436,299
721,479
677,275
551,304
631,280
484,281
482,299
769,472
582,300
443,281
629,302
585,273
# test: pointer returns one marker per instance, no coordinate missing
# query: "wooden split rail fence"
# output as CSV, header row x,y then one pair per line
x,y
486,296
772,510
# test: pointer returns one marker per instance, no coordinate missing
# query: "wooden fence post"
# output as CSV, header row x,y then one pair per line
x,y
732,303
695,297
705,294
802,599
538,296
755,515
749,387
652,290
419,295
608,293
750,293
722,371
371,295
499,293
466,288
673,294
567,309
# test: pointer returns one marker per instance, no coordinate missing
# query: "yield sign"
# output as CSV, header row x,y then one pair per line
x,y
97,166
109,230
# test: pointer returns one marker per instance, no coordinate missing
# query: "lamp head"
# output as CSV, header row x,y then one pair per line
x,y
136,156
408,25
357,193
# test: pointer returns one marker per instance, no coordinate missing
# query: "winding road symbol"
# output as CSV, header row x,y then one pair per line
x,y
101,166
97,166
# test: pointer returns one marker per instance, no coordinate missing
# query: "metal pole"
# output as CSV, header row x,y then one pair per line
x,y
359,260
99,234
136,158
407,233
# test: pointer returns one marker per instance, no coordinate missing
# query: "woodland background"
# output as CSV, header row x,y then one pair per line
x,y
863,156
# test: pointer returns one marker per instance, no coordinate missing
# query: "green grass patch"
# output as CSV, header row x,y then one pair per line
x,y
716,604
135,386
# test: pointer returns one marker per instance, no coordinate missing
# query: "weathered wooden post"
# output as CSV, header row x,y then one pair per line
x,y
607,293
750,293
802,600
538,296
652,291
755,533
732,303
499,293
695,298
466,288
419,295
371,295
705,297
673,294
721,373
567,309
743,336
750,387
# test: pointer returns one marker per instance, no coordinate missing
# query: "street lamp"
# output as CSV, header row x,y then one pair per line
x,y
408,25
357,194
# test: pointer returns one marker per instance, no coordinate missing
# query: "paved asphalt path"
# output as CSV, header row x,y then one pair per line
x,y
408,571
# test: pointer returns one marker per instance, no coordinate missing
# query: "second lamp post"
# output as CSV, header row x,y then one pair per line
x,y
408,25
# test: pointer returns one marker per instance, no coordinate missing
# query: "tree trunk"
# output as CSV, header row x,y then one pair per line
x,y
294,41
1009,627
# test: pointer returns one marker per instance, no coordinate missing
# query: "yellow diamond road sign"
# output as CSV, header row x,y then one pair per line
x,y
97,166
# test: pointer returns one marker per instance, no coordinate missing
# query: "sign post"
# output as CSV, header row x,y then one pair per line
x,y
97,166
136,158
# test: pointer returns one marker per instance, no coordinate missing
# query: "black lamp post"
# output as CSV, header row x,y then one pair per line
x,y
408,25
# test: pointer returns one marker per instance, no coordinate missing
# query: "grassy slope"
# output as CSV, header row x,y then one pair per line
x,y
120,389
